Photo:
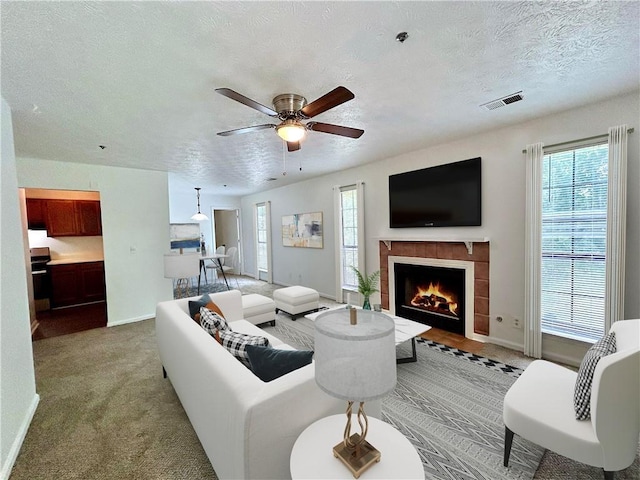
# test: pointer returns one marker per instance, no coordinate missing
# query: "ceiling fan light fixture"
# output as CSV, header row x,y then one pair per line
x,y
290,131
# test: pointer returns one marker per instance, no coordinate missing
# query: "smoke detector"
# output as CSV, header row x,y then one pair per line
x,y
504,101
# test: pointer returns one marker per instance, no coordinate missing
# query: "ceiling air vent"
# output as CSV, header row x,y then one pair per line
x,y
501,102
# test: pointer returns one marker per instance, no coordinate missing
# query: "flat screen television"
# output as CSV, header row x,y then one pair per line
x,y
447,195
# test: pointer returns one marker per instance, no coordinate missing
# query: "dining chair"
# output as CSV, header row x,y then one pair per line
x,y
213,265
180,268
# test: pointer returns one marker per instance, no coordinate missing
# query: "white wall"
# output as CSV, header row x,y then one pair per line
x,y
183,204
503,211
135,225
18,398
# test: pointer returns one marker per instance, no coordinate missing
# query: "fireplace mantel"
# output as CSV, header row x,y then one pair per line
x,y
388,240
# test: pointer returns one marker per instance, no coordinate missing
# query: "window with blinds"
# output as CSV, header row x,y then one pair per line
x,y
261,236
349,226
574,230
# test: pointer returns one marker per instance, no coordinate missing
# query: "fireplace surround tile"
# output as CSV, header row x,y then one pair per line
x,y
482,270
481,287
445,251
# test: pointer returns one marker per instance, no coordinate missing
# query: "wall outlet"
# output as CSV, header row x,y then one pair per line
x,y
516,323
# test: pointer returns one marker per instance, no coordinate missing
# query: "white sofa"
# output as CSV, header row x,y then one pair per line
x,y
247,427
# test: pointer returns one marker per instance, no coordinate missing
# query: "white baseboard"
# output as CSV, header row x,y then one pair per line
x,y
130,320
480,338
557,358
506,343
552,357
17,443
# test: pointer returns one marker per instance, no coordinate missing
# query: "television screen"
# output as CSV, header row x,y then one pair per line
x,y
443,196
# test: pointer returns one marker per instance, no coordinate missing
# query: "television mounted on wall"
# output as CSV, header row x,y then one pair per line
x,y
447,195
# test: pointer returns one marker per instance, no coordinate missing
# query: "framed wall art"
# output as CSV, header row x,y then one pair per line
x,y
184,235
302,230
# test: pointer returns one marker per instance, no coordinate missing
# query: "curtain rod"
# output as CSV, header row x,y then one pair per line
x,y
630,130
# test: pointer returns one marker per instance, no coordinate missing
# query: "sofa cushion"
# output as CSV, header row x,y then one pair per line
x,y
582,394
212,322
270,363
236,343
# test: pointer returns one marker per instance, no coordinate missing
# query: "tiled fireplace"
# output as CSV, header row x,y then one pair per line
x,y
440,284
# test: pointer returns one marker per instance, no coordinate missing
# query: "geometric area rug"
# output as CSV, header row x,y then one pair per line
x,y
449,405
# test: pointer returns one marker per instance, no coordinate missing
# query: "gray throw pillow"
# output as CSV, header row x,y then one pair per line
x,y
582,394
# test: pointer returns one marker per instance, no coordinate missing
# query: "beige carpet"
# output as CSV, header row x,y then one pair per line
x,y
106,412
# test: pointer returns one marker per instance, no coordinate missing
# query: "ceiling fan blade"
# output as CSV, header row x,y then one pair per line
x,y
335,129
255,128
293,146
233,95
335,97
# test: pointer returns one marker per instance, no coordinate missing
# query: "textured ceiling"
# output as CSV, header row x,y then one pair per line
x,y
139,78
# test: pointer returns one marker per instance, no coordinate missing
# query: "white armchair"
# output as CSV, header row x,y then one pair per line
x,y
539,407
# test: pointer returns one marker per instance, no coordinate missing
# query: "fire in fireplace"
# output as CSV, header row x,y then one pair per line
x,y
431,295
434,299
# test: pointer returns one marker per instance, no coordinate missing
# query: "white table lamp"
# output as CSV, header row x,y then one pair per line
x,y
181,268
355,360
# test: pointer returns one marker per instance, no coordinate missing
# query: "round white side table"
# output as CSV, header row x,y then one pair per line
x,y
312,454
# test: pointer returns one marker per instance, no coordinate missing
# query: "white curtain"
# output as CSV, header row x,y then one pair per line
x,y
616,226
533,251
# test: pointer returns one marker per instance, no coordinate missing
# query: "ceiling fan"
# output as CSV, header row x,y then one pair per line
x,y
292,109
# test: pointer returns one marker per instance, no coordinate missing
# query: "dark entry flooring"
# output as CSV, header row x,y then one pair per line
x,y
63,321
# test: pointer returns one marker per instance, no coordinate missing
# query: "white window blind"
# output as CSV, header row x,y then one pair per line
x,y
574,230
261,236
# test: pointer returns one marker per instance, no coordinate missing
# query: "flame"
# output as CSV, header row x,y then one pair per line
x,y
434,299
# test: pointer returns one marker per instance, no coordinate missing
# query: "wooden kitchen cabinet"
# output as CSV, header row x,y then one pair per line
x,y
36,213
65,218
88,217
77,283
92,281
61,218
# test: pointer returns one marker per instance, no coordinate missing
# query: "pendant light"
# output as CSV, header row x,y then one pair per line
x,y
199,217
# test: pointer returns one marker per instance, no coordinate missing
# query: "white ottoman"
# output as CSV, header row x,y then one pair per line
x,y
296,300
258,309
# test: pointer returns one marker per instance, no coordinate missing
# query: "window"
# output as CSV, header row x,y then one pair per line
x,y
574,231
261,236
262,226
349,237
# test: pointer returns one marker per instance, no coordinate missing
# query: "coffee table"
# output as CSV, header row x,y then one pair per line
x,y
405,330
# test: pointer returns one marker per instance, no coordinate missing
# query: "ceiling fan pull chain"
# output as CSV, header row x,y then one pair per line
x,y
284,159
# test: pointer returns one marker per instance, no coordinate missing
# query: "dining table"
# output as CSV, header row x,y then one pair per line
x,y
214,257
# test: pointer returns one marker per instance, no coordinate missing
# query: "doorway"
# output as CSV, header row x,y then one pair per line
x,y
64,234
225,226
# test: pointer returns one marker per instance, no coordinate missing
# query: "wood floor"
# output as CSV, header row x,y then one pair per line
x,y
63,321
454,340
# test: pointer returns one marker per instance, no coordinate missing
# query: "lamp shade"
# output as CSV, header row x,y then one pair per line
x,y
199,217
290,131
355,362
181,266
